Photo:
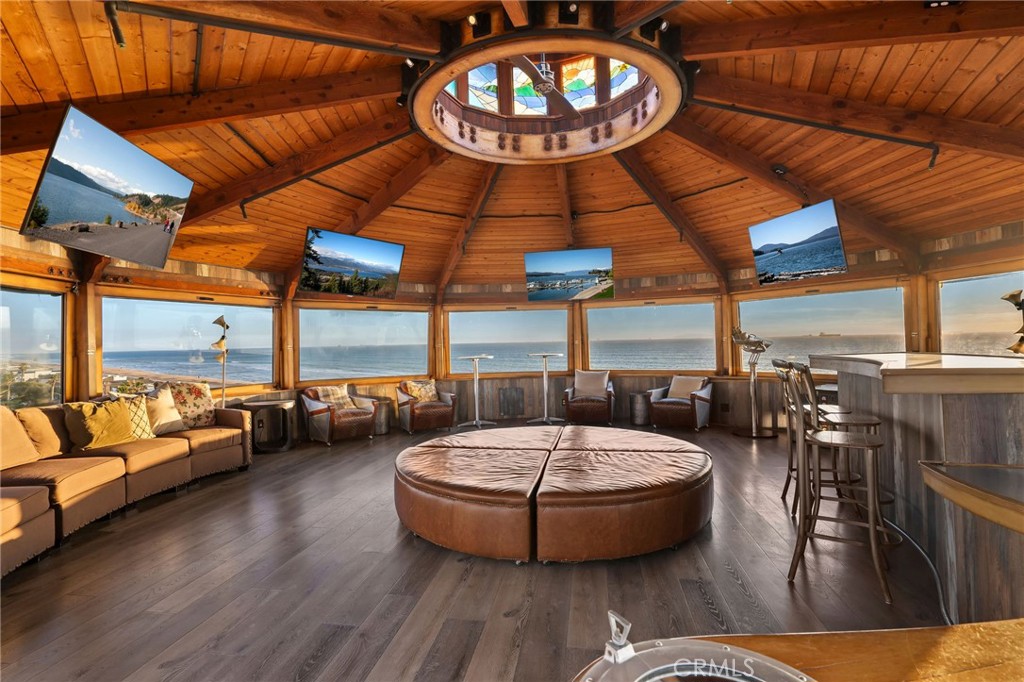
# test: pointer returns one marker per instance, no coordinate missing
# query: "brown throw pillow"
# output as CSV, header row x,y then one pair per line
x,y
95,425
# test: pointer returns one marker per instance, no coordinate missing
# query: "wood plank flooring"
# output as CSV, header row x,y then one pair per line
x,y
299,570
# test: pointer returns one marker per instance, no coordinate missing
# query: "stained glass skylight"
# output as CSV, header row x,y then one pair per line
x,y
483,87
452,89
623,76
579,81
528,102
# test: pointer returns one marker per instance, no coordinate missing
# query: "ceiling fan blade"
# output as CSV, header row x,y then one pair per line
x,y
559,105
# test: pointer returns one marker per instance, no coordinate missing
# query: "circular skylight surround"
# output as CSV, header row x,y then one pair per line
x,y
631,115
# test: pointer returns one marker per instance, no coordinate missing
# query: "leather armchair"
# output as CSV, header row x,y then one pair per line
x,y
693,411
586,407
420,415
326,422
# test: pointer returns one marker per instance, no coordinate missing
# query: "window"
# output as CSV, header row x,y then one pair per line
x,y
510,336
483,87
346,344
527,101
31,335
852,322
579,82
146,341
973,317
623,77
653,337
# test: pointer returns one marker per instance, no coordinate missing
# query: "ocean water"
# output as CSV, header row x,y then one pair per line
x,y
70,202
827,253
585,282
256,365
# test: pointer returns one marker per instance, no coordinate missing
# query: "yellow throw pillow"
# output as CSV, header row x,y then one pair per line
x,y
424,391
96,425
138,415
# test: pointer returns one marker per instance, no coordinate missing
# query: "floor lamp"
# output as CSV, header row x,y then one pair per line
x,y
221,345
754,346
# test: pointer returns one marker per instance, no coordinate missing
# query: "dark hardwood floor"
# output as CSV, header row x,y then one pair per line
x,y
300,570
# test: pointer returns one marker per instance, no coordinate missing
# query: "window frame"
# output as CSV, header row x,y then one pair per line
x,y
901,282
935,278
445,357
319,304
715,300
164,296
43,285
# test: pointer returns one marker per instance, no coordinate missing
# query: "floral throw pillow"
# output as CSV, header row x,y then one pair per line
x,y
337,396
194,403
424,391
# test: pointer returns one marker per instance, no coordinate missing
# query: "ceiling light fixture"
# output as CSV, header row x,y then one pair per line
x,y
471,19
664,25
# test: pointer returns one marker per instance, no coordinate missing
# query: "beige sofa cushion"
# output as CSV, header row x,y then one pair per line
x,y
209,438
139,455
15,445
682,387
66,477
22,504
45,426
588,383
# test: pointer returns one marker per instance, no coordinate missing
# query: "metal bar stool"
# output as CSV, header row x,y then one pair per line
x,y
810,485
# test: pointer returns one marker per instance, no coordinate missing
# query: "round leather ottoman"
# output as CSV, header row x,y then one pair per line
x,y
573,493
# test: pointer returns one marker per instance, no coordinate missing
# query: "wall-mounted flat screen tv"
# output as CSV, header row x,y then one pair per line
x,y
570,275
345,264
100,193
805,243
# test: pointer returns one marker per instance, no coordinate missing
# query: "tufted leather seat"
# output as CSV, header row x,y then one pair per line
x,y
577,492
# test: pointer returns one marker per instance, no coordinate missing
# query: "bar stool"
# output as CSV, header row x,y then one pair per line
x,y
810,486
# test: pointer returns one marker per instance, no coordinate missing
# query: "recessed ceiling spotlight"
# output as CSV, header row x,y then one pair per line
x,y
663,26
573,7
409,62
779,169
471,19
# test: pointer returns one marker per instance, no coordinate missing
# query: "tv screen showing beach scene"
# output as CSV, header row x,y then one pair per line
x,y
805,243
571,275
345,264
100,193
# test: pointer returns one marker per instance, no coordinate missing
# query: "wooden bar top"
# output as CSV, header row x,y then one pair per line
x,y
934,373
978,652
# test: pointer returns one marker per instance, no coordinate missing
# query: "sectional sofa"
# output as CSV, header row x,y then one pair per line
x,y
48,489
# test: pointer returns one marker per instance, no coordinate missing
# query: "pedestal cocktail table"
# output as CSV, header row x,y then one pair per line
x,y
545,419
477,421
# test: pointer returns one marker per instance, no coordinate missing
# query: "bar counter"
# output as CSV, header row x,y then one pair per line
x,y
960,409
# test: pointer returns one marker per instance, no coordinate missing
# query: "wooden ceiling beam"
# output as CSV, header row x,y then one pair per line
x,y
565,207
350,144
488,181
888,23
393,190
357,25
518,12
969,136
788,185
36,130
644,178
632,14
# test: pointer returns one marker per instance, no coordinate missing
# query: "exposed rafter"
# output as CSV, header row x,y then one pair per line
x,y
788,185
358,25
565,208
35,130
635,13
518,12
887,23
393,190
644,178
488,181
382,130
969,136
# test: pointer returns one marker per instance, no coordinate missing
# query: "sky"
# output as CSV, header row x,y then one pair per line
x,y
113,162
362,328
692,321
794,227
567,261
508,326
879,311
970,305
385,255
130,324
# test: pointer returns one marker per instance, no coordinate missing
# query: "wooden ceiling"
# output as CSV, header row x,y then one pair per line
x,y
277,113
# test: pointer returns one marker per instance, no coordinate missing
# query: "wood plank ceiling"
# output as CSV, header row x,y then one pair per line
x,y
291,128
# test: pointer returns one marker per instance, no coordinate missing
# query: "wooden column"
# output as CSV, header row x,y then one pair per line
x,y
602,72
505,105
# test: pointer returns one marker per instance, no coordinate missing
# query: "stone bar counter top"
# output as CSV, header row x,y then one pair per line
x,y
953,410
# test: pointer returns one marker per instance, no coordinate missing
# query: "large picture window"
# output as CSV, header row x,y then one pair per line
x,y
850,322
145,341
674,336
510,336
31,334
974,318
347,344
